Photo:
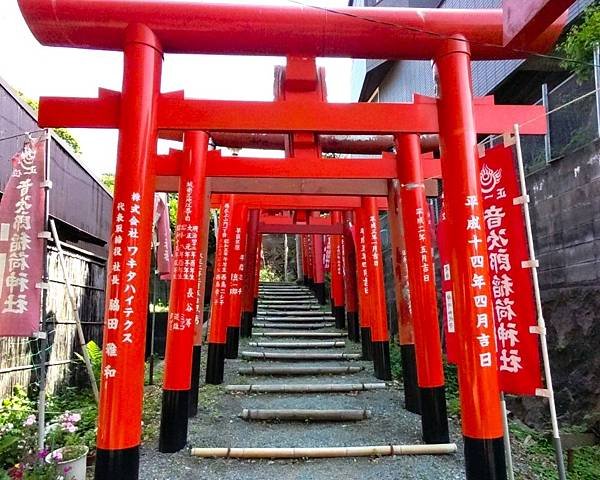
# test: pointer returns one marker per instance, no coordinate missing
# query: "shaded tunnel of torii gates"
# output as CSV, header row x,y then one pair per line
x,y
354,190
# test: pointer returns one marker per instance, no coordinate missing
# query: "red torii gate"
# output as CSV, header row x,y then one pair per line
x,y
450,37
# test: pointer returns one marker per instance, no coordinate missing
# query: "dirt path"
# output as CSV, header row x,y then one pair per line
x,y
218,425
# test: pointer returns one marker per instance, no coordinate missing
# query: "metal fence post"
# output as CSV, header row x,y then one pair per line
x,y
547,146
597,82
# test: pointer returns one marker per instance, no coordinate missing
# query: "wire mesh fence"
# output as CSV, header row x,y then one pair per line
x,y
572,123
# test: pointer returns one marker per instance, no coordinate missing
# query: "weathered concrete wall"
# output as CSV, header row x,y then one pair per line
x,y
565,208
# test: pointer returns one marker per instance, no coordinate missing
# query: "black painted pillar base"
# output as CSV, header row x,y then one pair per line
x,y
381,360
123,464
232,343
246,326
412,396
173,420
353,326
365,337
484,459
193,401
340,316
215,363
255,307
434,417
309,283
319,289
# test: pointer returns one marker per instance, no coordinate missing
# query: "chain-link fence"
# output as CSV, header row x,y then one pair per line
x,y
572,123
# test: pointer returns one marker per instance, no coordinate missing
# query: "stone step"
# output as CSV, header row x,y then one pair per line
x,y
291,313
282,319
299,356
300,370
306,387
301,334
297,344
299,326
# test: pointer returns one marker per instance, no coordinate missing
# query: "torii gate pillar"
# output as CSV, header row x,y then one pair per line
x,y
350,273
249,273
477,372
122,383
423,296
183,298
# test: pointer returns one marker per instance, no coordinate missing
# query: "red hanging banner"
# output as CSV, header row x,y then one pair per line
x,y
164,253
512,290
447,296
21,250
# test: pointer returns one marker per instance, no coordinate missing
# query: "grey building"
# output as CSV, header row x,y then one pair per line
x,y
563,182
511,81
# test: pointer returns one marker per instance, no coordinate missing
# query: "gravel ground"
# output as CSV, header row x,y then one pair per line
x,y
218,425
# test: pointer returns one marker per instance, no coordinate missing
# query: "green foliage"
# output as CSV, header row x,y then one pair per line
x,y
17,428
578,46
108,180
395,360
82,403
268,274
172,203
63,133
95,354
452,396
68,138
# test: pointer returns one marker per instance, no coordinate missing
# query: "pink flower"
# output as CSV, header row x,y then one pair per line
x,y
57,456
29,421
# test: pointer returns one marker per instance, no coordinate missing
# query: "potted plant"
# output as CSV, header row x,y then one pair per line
x,y
70,461
70,458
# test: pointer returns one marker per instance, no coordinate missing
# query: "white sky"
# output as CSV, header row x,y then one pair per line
x,y
36,70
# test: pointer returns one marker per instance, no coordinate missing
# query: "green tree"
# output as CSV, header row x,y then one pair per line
x,y
61,132
578,45
108,179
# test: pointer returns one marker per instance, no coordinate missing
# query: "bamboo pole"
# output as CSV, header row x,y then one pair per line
x,y
300,326
75,310
306,387
300,334
326,452
301,356
294,370
297,344
560,466
303,415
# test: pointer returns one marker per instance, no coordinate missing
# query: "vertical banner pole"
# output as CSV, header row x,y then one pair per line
x,y
183,297
540,314
122,385
152,326
350,272
423,294
507,447
44,312
481,412
406,336
72,301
